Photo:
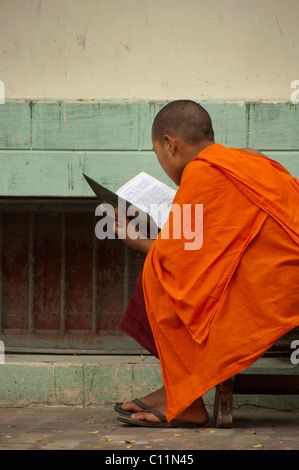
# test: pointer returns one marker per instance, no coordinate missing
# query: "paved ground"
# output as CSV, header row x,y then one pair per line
x,y
70,428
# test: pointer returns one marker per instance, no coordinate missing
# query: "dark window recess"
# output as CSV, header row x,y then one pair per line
x,y
62,289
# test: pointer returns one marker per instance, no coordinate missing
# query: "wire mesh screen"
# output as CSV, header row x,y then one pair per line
x,y
61,288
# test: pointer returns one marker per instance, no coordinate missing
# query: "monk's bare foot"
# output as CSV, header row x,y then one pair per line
x,y
156,399
195,413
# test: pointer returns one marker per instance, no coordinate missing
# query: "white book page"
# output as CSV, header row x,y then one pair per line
x,y
147,193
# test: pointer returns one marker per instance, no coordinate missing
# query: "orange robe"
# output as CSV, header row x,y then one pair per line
x,y
216,310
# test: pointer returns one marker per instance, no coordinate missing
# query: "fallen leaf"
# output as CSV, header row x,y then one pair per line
x,y
89,422
178,435
128,447
148,447
252,432
130,442
59,432
212,431
108,439
100,419
258,445
93,432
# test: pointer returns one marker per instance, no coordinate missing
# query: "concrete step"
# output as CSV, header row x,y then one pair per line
x,y
28,379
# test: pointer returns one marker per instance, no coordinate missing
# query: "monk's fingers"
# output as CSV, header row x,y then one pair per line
x,y
120,229
120,222
120,215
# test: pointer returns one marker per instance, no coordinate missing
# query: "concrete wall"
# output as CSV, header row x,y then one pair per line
x,y
149,49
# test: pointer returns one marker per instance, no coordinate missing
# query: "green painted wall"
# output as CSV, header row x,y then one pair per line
x,y
46,146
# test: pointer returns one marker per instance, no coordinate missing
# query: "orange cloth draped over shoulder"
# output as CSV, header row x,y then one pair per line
x,y
215,310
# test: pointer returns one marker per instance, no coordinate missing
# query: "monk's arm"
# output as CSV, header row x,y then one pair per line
x,y
141,244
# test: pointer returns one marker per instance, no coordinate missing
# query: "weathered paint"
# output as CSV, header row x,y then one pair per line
x,y
224,49
46,146
54,173
61,173
274,126
15,125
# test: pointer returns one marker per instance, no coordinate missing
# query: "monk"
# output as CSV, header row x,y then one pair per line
x,y
209,313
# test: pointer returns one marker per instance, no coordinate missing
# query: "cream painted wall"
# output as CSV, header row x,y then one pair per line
x,y
149,49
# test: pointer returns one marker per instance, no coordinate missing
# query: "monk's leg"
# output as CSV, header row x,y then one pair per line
x,y
135,323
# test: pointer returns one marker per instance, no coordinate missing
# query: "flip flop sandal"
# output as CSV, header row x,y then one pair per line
x,y
176,423
137,402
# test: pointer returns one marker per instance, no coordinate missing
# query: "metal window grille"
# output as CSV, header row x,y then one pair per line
x,y
62,289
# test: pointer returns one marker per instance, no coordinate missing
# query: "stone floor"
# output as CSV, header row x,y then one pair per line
x,y
97,427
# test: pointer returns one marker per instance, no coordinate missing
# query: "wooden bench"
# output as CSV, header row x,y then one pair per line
x,y
255,380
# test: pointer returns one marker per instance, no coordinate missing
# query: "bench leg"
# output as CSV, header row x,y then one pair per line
x,y
223,404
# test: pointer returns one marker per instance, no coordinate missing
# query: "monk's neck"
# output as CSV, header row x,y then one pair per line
x,y
196,149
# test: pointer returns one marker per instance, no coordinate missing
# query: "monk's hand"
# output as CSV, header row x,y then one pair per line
x,y
120,224
129,233
125,230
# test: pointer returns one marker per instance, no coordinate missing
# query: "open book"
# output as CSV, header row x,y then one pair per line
x,y
149,196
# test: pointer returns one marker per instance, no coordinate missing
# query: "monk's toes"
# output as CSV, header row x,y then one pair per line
x,y
130,407
145,416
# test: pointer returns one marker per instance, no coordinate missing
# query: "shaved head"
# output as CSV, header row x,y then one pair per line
x,y
185,119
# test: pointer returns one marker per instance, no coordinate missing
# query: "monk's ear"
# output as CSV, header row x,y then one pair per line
x,y
170,143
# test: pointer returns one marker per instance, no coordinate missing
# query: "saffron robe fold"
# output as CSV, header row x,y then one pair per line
x,y
213,311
